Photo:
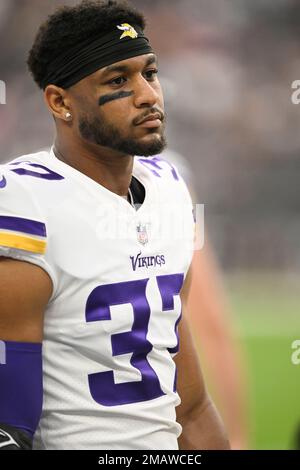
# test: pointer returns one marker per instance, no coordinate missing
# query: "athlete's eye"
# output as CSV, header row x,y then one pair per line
x,y
150,74
117,81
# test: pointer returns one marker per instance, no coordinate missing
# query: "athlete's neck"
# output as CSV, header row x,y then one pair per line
x,y
107,167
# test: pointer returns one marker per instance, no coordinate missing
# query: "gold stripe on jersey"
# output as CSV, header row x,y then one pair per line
x,y
21,242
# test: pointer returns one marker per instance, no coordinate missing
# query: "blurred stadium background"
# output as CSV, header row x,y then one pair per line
x,y
227,68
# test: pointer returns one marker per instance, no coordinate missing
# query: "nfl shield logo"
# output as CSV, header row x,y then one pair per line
x,y
142,235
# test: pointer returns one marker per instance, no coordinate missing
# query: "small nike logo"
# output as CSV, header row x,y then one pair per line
x,y
10,440
3,182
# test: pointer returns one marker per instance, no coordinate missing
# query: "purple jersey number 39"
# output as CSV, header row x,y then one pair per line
x,y
103,388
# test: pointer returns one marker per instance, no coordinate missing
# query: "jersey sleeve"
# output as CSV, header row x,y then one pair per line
x,y
23,228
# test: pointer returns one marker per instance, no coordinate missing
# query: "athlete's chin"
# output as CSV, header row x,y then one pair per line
x,y
151,145
154,137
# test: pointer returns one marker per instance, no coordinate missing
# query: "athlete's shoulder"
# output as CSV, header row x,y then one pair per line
x,y
159,167
20,214
28,178
24,184
33,157
39,165
165,173
23,222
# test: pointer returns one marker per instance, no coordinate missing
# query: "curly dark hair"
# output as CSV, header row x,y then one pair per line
x,y
68,26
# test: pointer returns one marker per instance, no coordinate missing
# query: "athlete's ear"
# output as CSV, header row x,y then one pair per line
x,y
58,102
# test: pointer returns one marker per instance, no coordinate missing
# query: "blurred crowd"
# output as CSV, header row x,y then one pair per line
x,y
226,69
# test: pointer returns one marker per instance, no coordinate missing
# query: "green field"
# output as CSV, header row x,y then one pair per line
x,y
266,310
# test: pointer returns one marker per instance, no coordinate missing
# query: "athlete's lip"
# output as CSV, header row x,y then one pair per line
x,y
151,117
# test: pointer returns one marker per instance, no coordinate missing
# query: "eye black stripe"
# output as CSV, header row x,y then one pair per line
x,y
114,96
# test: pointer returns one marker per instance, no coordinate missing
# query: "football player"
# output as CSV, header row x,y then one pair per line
x,y
96,240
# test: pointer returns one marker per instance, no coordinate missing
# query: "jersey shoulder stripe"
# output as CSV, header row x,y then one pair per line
x,y
21,225
20,242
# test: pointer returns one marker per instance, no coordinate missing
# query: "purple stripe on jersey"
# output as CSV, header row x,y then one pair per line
x,y
32,227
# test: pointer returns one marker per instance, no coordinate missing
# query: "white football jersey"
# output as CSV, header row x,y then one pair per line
x,y
110,329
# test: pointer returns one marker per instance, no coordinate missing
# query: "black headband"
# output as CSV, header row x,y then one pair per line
x,y
84,59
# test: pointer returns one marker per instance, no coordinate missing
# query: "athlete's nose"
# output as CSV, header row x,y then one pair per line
x,y
145,95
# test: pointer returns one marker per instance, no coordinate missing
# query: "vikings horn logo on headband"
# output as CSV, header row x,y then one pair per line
x,y
84,59
129,31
